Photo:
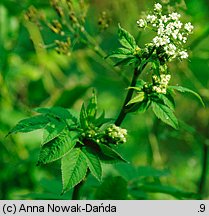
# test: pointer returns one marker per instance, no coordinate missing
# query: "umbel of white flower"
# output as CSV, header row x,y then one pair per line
x,y
171,33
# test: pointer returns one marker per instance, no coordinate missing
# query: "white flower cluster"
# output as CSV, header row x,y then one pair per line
x,y
171,32
116,134
160,83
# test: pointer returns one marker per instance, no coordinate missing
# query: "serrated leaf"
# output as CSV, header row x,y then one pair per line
x,y
93,163
58,112
52,130
167,100
113,188
120,53
58,147
74,168
137,99
165,114
110,153
30,124
126,39
125,62
83,118
139,107
91,109
183,89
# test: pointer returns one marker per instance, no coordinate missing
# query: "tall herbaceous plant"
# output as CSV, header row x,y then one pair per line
x,y
86,140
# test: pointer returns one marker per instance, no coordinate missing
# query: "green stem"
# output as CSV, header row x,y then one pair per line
x,y
129,95
204,170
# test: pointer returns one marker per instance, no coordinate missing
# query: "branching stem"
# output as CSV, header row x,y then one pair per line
x,y
129,95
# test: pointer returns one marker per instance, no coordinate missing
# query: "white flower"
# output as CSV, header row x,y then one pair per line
x,y
183,54
174,16
178,24
164,18
180,37
171,33
160,30
141,23
184,39
165,40
161,83
158,7
170,49
189,27
151,18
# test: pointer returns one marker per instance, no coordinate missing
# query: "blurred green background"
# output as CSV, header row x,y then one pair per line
x,y
164,163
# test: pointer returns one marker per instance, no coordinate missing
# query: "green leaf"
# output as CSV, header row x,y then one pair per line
x,y
93,162
58,147
58,112
138,98
165,114
125,62
102,120
143,106
52,130
140,83
113,188
167,100
83,118
183,89
91,109
120,53
30,124
138,107
74,168
110,153
126,39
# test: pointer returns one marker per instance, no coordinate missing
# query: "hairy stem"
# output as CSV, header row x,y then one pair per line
x,y
204,169
129,95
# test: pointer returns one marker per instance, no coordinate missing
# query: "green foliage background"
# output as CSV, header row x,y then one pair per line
x,y
164,163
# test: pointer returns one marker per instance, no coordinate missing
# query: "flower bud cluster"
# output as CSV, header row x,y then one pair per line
x,y
171,35
111,135
160,83
115,134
